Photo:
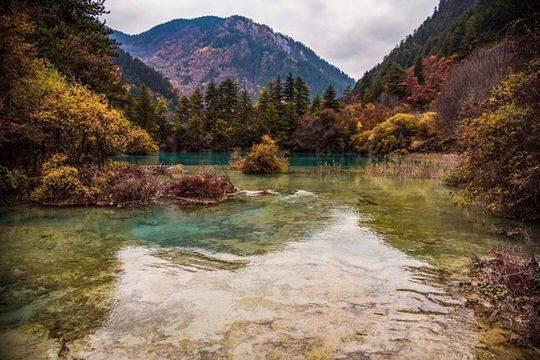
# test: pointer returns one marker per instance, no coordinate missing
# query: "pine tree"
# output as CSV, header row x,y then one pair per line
x,y
145,111
182,112
163,127
197,103
301,100
245,108
288,123
289,89
228,100
363,85
374,92
71,35
419,70
270,120
211,101
394,80
329,98
243,134
277,92
195,133
316,105
181,120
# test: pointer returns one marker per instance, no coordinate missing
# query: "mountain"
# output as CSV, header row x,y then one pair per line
x,y
192,53
455,29
135,72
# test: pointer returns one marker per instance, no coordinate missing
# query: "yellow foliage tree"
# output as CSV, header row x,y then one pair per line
x,y
71,119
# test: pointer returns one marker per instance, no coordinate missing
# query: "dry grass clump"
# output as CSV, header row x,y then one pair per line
x,y
414,166
325,169
176,170
505,287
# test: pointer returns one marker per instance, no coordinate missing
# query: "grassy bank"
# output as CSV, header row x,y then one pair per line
x,y
416,166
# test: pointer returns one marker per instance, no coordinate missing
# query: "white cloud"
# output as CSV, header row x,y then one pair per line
x,y
354,35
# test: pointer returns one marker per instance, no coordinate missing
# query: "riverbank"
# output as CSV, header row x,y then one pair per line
x,y
504,289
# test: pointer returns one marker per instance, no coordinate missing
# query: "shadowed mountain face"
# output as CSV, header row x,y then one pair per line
x,y
192,53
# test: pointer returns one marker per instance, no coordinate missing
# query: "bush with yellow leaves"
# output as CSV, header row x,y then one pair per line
x,y
500,165
400,133
61,185
263,158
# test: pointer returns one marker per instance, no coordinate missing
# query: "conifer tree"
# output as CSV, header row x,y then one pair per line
x,y
277,92
316,105
245,108
181,120
163,127
301,98
145,111
419,70
287,124
182,112
195,133
243,134
394,80
289,89
329,98
363,85
228,100
72,37
197,103
211,102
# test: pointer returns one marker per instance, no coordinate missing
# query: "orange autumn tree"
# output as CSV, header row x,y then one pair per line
x,y
422,92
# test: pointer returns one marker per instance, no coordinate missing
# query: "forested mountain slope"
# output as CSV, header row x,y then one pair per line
x,y
135,72
455,29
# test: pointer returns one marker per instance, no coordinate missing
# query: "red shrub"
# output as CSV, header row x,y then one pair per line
x,y
205,187
371,115
517,273
131,186
436,72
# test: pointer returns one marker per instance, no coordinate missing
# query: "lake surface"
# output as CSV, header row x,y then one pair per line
x,y
340,266
210,158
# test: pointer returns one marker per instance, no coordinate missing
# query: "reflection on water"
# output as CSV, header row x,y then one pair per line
x,y
340,291
324,267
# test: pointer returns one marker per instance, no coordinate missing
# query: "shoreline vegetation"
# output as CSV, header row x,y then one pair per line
x,y
413,166
504,288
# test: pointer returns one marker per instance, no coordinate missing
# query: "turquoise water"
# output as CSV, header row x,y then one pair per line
x,y
210,158
326,266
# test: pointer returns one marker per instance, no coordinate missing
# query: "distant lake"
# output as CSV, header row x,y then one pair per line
x,y
217,158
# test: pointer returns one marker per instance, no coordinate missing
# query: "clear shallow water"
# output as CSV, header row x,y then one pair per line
x,y
343,268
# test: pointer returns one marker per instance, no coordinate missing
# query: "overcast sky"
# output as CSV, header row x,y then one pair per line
x,y
354,35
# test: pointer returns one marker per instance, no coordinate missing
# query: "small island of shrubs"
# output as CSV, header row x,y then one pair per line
x,y
121,184
263,158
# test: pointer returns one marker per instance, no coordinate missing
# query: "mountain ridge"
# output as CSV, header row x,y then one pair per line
x,y
192,53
